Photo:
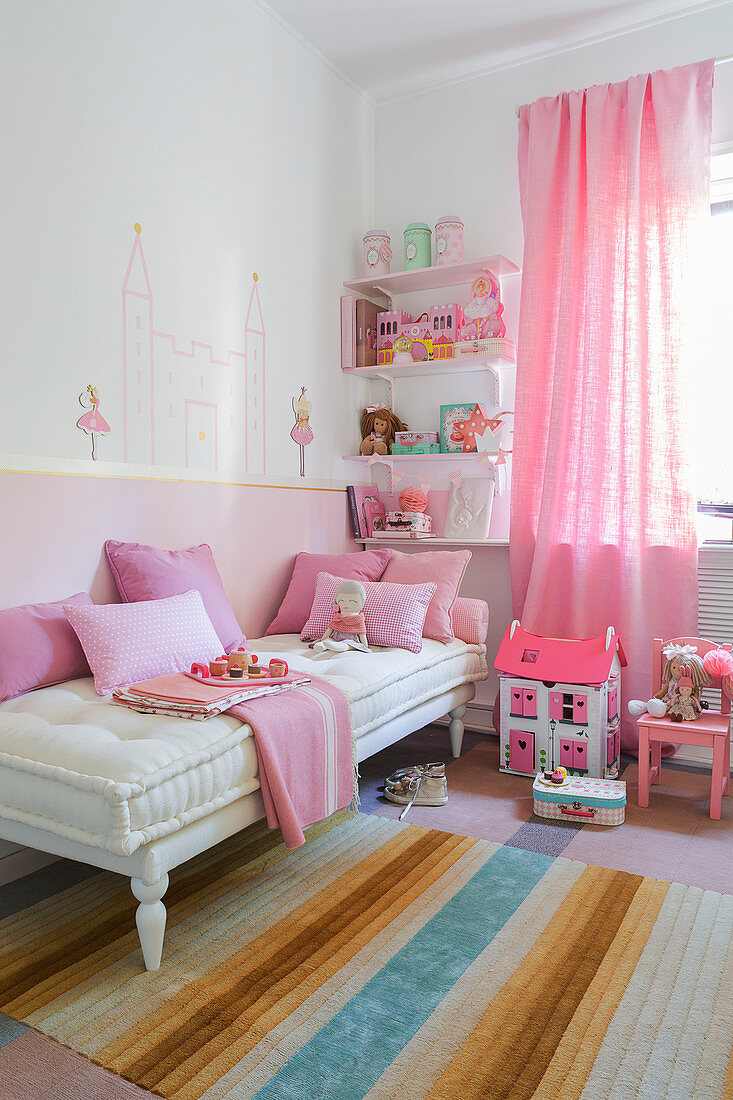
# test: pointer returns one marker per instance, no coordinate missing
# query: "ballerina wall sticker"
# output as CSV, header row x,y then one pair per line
x,y
92,422
301,432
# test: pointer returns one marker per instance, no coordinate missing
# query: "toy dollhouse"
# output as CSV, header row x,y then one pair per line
x,y
435,334
559,703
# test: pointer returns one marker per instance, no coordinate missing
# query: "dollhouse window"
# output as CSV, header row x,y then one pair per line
x,y
435,322
449,322
381,329
442,322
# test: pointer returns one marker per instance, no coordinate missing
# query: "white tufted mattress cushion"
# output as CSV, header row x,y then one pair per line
x,y
386,682
75,765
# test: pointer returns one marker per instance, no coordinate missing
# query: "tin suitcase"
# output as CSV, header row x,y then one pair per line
x,y
585,801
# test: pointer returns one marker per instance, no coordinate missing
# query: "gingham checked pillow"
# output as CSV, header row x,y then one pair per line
x,y
394,614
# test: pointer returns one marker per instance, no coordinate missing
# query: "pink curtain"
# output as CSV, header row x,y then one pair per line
x,y
613,181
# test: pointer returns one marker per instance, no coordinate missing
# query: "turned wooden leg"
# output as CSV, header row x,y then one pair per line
x,y
150,919
455,729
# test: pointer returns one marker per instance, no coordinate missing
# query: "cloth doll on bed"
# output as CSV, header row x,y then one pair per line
x,y
347,629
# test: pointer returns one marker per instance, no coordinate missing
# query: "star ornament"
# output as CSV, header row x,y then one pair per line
x,y
478,429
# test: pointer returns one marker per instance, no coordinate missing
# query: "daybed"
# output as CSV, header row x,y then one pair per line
x,y
141,794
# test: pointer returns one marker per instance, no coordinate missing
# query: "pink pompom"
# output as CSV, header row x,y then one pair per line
x,y
718,662
413,499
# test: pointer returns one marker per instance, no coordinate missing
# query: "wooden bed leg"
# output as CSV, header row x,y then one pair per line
x,y
150,919
455,729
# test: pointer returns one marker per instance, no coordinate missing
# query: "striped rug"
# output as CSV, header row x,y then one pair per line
x,y
384,960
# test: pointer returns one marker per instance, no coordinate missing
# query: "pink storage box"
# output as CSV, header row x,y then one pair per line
x,y
584,801
409,521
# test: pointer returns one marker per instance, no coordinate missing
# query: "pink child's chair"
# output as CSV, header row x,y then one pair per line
x,y
711,730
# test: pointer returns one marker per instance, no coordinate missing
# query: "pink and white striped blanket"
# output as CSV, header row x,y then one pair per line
x,y
305,754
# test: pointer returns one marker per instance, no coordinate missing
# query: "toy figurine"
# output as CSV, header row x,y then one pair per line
x,y
685,706
347,629
676,658
378,427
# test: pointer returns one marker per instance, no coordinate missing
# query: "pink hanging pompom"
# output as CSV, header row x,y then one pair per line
x,y
718,662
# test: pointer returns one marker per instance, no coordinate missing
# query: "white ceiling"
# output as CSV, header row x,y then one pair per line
x,y
391,47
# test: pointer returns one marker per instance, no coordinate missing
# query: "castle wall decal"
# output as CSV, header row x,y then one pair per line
x,y
184,407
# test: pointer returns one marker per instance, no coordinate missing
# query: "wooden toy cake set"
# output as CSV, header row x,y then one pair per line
x,y
559,703
238,665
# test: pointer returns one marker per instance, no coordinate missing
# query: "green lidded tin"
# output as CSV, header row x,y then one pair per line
x,y
418,245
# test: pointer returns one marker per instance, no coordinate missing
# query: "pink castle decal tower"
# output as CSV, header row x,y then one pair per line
x,y
184,407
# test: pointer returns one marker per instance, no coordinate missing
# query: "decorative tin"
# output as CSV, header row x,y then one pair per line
x,y
412,439
584,801
423,448
377,252
417,245
409,521
448,240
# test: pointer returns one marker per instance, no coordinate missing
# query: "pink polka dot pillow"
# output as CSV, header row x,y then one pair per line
x,y
127,642
394,614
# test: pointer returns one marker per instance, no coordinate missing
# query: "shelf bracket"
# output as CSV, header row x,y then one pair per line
x,y
386,378
382,460
388,295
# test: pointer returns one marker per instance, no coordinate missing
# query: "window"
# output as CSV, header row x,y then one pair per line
x,y
711,354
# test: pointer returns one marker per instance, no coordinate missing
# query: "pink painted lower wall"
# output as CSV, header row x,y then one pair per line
x,y
55,525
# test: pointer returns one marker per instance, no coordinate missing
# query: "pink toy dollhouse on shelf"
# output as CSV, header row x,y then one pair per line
x,y
559,703
435,332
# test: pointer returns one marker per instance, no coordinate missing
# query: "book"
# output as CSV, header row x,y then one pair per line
x,y
366,332
376,516
358,332
390,533
353,510
362,494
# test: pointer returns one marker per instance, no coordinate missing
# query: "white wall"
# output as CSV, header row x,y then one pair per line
x,y
237,150
477,178
475,122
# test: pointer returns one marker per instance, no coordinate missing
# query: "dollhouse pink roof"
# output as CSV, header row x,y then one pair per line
x,y
567,660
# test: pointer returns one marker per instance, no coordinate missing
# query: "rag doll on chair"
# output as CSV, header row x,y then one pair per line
x,y
682,666
347,629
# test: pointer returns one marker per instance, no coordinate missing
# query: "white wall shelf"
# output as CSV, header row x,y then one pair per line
x,y
494,365
452,459
437,542
431,278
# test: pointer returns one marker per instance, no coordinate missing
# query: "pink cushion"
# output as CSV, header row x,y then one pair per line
x,y
393,613
127,642
446,569
38,647
147,573
296,607
470,619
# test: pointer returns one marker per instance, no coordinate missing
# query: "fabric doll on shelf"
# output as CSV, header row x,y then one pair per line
x,y
676,658
685,706
347,629
378,427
